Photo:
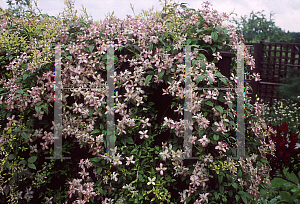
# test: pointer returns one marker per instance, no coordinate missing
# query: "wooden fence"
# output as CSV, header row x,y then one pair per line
x,y
272,62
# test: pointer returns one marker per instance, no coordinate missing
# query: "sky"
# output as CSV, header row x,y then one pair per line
x,y
286,12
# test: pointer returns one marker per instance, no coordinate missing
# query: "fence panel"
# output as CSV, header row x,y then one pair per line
x,y
272,61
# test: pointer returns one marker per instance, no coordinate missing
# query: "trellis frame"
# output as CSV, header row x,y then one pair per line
x,y
240,151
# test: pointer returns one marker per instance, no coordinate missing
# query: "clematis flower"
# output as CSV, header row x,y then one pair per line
x,y
204,141
144,134
221,146
161,169
151,181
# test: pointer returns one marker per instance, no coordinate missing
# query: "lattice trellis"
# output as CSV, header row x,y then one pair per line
x,y
273,61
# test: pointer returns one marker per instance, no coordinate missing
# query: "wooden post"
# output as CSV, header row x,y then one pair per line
x,y
258,54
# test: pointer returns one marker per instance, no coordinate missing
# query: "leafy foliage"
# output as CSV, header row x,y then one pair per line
x,y
257,28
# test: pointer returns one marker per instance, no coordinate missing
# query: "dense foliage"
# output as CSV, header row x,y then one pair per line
x,y
148,163
257,28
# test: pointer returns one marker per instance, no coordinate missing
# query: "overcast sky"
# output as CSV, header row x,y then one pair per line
x,y
287,12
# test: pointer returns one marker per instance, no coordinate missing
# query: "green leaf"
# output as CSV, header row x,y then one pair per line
x,y
220,179
198,30
148,78
201,56
213,49
7,164
218,74
69,57
19,91
150,72
24,135
38,108
223,80
161,73
22,162
199,78
99,170
203,65
129,140
91,111
216,137
244,199
219,29
45,108
32,166
17,130
214,36
239,174
188,41
235,185
11,157
230,106
39,103
17,96
237,197
95,131
286,196
32,159
150,46
91,48
263,193
25,76
209,103
219,108
221,188
188,199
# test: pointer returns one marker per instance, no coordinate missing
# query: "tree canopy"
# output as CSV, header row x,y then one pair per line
x,y
257,28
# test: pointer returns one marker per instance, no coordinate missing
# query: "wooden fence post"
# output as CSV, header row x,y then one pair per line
x,y
258,55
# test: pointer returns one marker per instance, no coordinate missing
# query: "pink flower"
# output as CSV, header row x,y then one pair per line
x,y
144,134
208,39
204,141
165,154
217,55
195,180
221,146
161,169
221,127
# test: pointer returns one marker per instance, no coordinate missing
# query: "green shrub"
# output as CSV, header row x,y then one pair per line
x,y
148,163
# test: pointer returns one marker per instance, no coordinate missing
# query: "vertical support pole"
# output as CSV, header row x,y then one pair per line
x,y
240,104
110,138
57,108
187,99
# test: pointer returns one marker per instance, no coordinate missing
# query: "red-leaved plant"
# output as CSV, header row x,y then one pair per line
x,y
287,151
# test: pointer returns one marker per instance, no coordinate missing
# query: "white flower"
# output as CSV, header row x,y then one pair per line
x,y
151,181
143,134
297,146
129,160
114,176
129,187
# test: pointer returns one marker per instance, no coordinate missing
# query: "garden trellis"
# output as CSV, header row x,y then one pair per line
x,y
272,62
240,150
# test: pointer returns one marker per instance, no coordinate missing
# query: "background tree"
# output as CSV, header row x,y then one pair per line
x,y
18,7
259,28
296,37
